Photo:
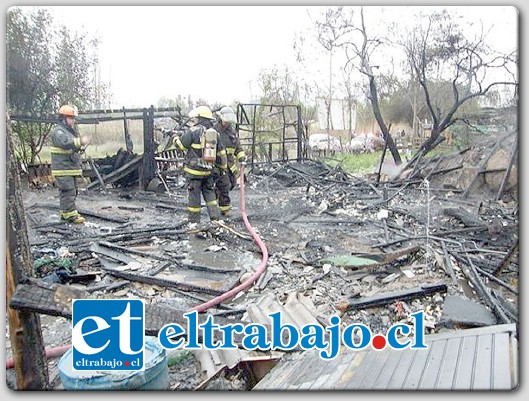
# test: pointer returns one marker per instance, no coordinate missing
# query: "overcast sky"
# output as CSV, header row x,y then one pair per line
x,y
211,52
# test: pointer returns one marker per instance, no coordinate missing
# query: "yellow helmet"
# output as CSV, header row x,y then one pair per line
x,y
201,111
68,111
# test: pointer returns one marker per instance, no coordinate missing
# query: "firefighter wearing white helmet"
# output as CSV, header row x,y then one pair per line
x,y
66,145
204,152
235,154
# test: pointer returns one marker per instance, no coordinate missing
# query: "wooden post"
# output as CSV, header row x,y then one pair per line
x,y
512,157
300,131
149,164
128,140
24,328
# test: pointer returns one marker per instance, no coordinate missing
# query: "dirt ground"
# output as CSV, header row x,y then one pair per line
x,y
304,219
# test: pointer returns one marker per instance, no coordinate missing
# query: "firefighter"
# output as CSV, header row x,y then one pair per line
x,y
66,147
230,139
204,152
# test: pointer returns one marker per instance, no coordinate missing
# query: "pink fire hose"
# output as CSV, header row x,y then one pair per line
x,y
59,351
260,270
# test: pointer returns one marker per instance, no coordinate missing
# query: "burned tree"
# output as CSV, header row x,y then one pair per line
x,y
338,30
441,54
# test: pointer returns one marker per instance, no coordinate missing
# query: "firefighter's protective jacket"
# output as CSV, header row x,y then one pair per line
x,y
230,140
65,156
191,144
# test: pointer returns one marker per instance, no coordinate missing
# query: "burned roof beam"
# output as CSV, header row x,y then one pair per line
x,y
384,299
161,282
119,173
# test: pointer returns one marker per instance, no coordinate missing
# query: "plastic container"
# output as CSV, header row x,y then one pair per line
x,y
154,377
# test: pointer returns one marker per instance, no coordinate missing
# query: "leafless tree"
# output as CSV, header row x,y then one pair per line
x,y
338,29
439,51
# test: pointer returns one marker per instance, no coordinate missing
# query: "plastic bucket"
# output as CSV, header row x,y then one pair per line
x,y
155,376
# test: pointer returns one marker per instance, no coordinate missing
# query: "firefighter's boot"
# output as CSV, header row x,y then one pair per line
x,y
225,210
72,217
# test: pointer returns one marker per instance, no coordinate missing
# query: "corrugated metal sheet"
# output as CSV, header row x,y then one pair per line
x,y
297,311
474,359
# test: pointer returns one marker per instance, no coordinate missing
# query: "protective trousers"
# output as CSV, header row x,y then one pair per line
x,y
204,186
224,185
67,193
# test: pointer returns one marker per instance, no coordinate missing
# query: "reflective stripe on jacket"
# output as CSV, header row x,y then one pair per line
x,y
65,156
230,140
190,142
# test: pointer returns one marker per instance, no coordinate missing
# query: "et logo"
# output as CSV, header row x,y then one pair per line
x,y
108,334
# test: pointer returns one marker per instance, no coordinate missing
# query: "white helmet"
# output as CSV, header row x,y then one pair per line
x,y
227,115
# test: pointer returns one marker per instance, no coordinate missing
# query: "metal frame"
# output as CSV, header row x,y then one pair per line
x,y
279,150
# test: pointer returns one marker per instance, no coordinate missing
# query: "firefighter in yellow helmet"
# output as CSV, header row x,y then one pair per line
x,y
204,152
235,154
66,144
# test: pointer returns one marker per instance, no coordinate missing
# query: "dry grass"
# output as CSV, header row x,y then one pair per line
x,y
106,139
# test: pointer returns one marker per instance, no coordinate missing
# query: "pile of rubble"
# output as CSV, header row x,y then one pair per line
x,y
441,236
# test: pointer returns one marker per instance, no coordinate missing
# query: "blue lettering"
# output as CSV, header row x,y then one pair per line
x,y
252,341
349,334
312,337
392,336
277,333
208,327
192,328
334,339
228,334
419,331
168,332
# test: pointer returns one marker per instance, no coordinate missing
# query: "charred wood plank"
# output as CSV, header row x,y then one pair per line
x,y
119,173
448,264
161,282
209,268
167,206
158,269
25,330
146,232
132,208
134,251
468,268
496,280
463,216
98,175
385,258
108,287
510,309
56,300
53,300
474,229
111,253
384,299
512,157
446,170
507,259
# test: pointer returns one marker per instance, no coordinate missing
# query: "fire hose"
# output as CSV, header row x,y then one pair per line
x,y
262,266
59,351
